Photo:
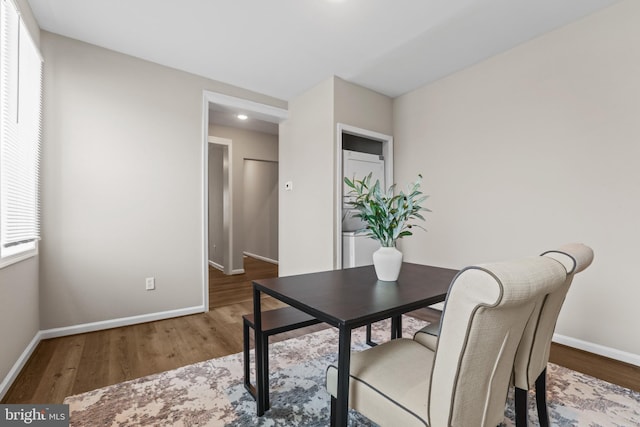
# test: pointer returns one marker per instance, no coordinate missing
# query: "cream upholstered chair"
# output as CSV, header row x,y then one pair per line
x,y
532,356
464,381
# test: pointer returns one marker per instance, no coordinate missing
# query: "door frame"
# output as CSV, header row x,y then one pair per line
x,y
227,218
387,152
276,114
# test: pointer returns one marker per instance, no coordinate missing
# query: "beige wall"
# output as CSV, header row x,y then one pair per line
x,y
246,145
361,107
19,311
307,159
260,209
122,184
534,148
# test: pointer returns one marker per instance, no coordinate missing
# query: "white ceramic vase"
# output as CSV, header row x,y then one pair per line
x,y
387,262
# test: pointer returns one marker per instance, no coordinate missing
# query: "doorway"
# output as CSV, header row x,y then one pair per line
x,y
386,154
223,250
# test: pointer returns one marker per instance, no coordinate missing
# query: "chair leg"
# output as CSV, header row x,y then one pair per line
x,y
521,407
396,327
541,399
333,411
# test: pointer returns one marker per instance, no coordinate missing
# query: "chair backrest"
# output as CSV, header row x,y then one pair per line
x,y
486,310
533,352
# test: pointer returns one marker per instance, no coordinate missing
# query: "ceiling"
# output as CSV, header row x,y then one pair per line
x,y
281,48
228,116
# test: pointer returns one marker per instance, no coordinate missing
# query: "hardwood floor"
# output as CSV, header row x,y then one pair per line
x,y
64,366
623,374
232,289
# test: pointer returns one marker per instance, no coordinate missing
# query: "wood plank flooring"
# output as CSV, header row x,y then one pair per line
x,y
64,366
623,374
232,289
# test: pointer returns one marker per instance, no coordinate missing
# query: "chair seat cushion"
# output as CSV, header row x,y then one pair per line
x,y
402,368
428,336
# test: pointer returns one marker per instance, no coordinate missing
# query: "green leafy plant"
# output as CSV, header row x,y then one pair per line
x,y
388,216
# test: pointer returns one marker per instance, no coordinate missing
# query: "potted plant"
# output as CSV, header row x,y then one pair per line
x,y
388,216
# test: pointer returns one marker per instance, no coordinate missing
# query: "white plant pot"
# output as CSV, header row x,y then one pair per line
x,y
387,262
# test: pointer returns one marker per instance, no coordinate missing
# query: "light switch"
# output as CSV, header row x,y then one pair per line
x,y
288,186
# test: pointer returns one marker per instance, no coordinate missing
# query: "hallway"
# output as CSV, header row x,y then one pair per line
x,y
225,290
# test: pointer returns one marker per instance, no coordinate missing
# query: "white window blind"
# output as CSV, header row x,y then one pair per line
x,y
20,133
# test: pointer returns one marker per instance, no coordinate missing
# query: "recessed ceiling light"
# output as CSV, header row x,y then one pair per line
x,y
242,117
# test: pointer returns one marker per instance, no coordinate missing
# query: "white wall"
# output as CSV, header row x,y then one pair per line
x,y
246,145
19,311
260,219
122,184
534,148
361,107
307,158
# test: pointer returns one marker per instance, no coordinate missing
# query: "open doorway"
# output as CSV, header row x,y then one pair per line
x,y
224,243
368,150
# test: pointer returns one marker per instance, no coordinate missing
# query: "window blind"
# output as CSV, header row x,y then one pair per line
x,y
20,132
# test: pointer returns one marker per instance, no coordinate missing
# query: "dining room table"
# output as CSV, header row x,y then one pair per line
x,y
347,299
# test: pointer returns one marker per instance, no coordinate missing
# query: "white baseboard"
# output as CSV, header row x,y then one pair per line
x,y
221,268
116,323
17,367
590,347
216,265
261,258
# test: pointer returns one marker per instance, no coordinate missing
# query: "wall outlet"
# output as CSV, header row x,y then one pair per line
x,y
150,283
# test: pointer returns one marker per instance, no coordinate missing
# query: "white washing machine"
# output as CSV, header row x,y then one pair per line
x,y
357,250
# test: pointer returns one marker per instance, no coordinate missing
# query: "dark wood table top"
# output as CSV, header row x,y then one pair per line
x,y
354,297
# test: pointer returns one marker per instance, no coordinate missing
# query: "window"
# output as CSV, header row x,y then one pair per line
x,y
20,134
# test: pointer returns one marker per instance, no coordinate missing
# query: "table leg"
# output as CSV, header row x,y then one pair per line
x,y
259,354
245,358
368,339
344,358
396,327
265,373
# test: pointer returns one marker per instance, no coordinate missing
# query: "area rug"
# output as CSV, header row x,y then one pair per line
x,y
211,393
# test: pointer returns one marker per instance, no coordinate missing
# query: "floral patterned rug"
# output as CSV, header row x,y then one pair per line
x,y
211,393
